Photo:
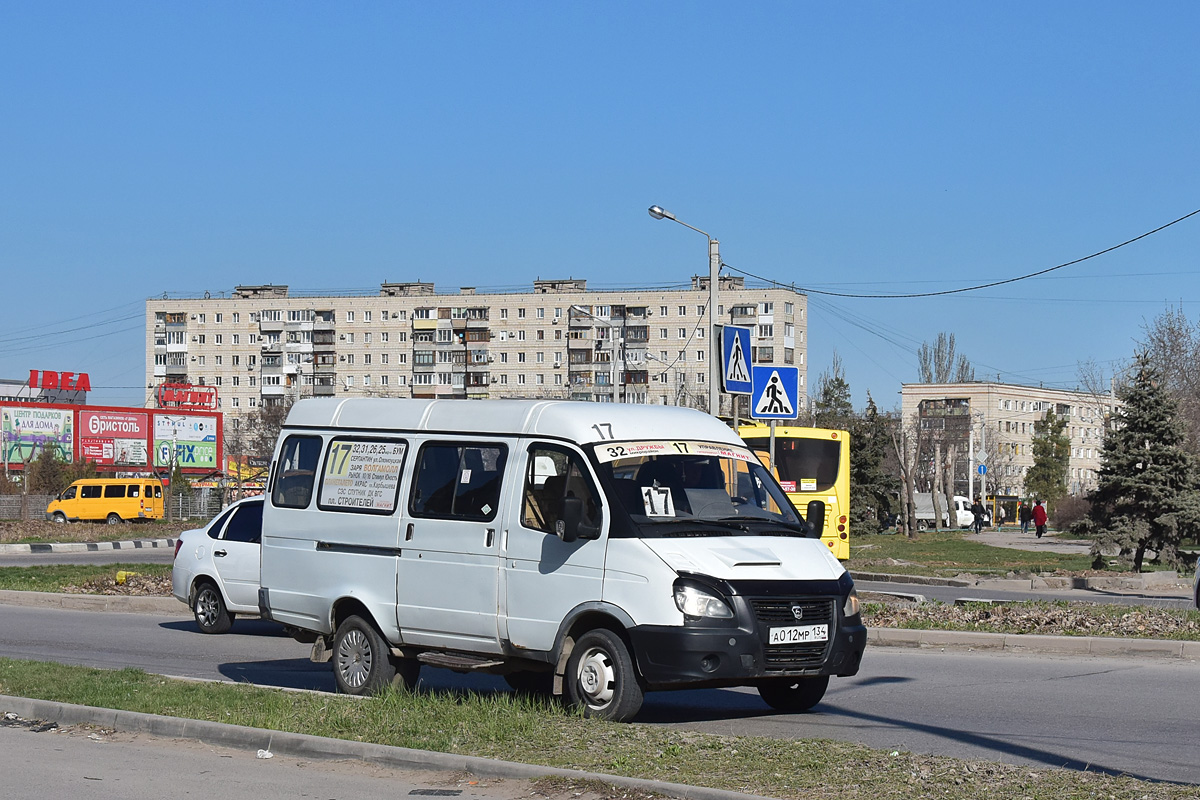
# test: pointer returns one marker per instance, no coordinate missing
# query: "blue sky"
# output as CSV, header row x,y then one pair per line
x,y
869,148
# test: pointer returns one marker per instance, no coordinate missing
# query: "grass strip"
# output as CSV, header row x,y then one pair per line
x,y
62,577
948,553
511,727
1040,617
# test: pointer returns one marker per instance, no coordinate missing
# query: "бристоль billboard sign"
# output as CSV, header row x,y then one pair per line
x,y
113,438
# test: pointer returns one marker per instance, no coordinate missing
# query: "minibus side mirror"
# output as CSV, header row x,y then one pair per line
x,y
815,516
570,527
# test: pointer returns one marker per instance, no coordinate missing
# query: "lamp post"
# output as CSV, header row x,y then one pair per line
x,y
618,349
714,269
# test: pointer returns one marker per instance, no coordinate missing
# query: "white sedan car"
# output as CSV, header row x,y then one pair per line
x,y
216,567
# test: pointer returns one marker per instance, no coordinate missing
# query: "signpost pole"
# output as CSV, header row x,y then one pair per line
x,y
771,451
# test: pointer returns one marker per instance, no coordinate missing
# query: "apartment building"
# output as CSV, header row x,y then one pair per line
x,y
1000,418
264,345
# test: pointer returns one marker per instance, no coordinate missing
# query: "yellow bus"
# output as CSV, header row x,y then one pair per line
x,y
811,464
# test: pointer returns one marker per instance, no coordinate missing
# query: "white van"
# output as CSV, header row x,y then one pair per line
x,y
591,550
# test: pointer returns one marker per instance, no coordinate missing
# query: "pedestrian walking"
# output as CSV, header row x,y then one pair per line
x,y
1039,517
977,511
1024,516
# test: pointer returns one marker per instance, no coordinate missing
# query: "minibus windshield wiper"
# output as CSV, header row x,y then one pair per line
x,y
791,526
730,523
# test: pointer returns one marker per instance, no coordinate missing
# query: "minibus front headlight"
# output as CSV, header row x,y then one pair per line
x,y
695,602
851,608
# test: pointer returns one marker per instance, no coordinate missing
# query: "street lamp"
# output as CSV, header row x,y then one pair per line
x,y
714,346
618,349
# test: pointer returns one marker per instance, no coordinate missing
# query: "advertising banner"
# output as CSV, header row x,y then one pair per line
x,y
112,438
25,431
194,439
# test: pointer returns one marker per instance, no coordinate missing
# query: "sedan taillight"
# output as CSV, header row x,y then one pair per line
x,y
178,544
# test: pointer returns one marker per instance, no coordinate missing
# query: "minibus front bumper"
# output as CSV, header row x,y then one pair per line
x,y
739,651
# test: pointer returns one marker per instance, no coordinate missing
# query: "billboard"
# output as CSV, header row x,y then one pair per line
x,y
25,430
193,438
114,438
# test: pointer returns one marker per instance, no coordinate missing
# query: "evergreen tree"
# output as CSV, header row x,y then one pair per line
x,y
871,486
45,474
832,407
1147,498
1047,478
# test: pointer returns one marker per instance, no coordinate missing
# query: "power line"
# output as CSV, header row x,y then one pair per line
x,y
793,287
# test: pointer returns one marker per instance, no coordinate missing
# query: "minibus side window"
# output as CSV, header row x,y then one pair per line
x,y
296,470
89,492
458,481
552,474
135,490
68,493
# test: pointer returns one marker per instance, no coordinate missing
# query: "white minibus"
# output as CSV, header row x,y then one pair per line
x,y
597,551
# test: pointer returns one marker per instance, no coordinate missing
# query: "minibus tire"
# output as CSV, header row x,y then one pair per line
x,y
208,607
601,679
793,694
361,658
60,517
114,519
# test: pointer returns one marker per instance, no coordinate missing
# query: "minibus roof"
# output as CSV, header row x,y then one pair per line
x,y
577,421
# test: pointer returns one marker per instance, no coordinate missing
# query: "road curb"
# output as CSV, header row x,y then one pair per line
x,y
129,604
301,745
1032,644
84,547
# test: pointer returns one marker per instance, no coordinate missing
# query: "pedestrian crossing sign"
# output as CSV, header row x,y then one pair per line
x,y
735,360
776,393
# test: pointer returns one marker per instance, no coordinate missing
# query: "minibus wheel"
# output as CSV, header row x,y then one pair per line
x,y
60,517
114,519
601,678
793,694
362,662
209,609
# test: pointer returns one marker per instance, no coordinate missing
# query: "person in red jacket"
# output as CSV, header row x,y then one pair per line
x,y
1039,517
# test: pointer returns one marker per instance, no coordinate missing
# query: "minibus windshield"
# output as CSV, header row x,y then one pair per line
x,y
688,488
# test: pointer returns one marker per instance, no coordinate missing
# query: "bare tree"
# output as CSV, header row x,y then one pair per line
x,y
941,364
1172,347
906,442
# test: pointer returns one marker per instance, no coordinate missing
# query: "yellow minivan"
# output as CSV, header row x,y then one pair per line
x,y
113,500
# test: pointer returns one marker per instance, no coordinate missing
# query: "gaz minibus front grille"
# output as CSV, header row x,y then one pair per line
x,y
775,613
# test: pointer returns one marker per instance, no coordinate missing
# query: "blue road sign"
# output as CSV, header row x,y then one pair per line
x,y
776,393
735,360
983,469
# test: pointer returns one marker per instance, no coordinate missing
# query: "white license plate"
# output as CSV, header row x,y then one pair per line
x,y
799,634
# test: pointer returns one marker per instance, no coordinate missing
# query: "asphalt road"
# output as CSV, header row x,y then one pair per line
x,y
1115,715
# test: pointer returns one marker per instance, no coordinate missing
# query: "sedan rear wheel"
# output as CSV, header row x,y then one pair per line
x,y
209,609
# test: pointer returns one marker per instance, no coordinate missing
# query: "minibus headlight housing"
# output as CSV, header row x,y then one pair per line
x,y
851,608
696,602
